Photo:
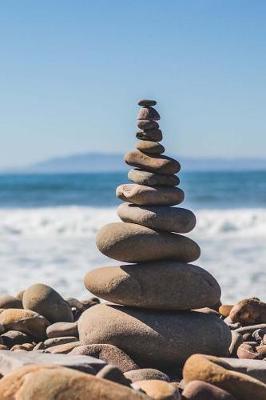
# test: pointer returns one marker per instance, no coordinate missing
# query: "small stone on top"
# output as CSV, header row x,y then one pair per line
x,y
147,103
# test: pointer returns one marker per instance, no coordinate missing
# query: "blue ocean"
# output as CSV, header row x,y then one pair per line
x,y
48,224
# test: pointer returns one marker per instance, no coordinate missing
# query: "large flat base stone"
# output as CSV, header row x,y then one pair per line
x,y
10,361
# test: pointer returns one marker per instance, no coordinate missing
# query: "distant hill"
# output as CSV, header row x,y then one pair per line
x,y
103,162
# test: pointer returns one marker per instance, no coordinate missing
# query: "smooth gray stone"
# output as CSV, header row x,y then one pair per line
x,y
144,374
152,179
135,243
254,368
154,163
10,361
161,218
155,339
150,147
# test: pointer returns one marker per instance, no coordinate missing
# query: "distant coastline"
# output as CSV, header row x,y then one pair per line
x,y
104,162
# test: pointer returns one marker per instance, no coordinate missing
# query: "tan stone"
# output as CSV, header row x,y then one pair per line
x,y
225,309
144,285
199,390
63,348
7,301
248,312
46,301
134,243
154,339
26,321
158,390
159,164
50,383
151,196
214,370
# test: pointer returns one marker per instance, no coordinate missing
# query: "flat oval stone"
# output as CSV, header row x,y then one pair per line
x,y
155,339
169,219
60,329
146,374
159,164
147,103
153,135
144,285
134,243
152,179
150,196
147,124
148,113
46,301
150,147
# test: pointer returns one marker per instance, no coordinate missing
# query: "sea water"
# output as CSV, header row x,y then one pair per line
x,y
48,225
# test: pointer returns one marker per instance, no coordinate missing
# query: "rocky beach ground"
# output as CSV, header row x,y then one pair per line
x,y
156,328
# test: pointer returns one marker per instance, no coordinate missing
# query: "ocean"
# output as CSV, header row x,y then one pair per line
x,y
48,224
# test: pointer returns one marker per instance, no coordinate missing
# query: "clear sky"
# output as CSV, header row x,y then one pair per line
x,y
71,73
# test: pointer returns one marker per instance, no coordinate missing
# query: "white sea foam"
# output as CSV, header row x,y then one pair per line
x,y
57,246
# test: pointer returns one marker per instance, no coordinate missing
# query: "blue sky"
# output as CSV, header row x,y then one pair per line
x,y
71,73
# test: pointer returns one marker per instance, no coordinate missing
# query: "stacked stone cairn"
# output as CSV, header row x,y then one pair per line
x,y
155,302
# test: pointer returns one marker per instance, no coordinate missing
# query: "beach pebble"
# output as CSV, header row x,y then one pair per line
x,y
58,341
134,243
144,285
46,301
151,196
225,309
7,301
154,163
147,103
112,373
23,347
249,311
59,329
154,339
150,147
146,374
26,321
52,382
158,389
11,338
169,219
248,350
221,373
153,135
64,348
199,390
152,179
237,340
108,353
147,124
146,113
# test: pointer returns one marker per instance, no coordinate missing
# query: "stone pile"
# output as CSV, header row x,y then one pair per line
x,y
155,317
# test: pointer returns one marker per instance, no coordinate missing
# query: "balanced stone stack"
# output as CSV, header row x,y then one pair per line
x,y
153,314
